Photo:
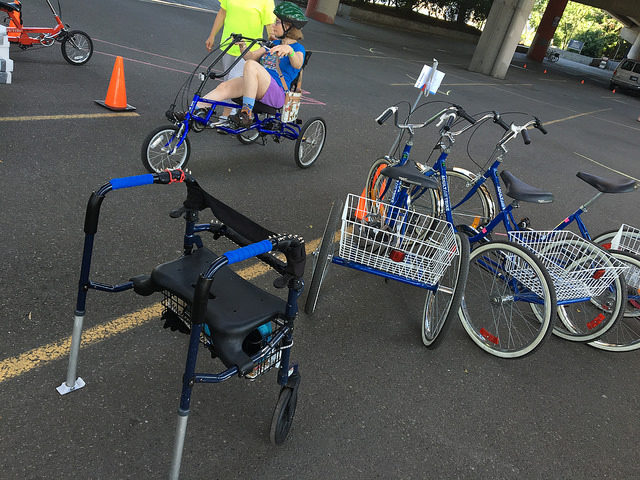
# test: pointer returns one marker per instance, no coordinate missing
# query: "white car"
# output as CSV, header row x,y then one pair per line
x,y
626,75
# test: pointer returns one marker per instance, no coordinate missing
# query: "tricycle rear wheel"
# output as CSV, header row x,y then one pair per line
x,y
310,142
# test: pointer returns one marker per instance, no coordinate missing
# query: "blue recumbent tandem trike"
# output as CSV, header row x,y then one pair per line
x,y
249,329
168,147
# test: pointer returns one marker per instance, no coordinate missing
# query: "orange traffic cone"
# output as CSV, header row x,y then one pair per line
x,y
116,98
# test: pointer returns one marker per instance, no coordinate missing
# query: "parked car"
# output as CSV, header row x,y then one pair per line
x,y
626,75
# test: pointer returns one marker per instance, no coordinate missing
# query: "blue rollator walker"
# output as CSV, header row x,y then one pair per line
x,y
168,147
247,328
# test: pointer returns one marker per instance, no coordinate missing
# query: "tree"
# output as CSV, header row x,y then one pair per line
x,y
594,27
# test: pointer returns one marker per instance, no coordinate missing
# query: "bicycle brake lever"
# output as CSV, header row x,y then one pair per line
x,y
444,119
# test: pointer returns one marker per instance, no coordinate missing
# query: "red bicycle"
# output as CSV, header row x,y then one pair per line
x,y
76,45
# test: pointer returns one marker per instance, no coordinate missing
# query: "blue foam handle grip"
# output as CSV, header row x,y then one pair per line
x,y
244,253
135,181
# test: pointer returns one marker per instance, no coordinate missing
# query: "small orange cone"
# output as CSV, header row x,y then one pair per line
x,y
581,82
116,98
545,71
613,91
525,65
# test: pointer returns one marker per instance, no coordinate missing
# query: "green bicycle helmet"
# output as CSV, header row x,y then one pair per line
x,y
291,13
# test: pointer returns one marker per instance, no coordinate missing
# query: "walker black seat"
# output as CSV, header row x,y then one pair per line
x,y
518,190
607,185
408,174
10,6
236,307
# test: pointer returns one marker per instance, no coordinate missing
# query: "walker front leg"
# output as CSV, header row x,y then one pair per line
x,y
185,400
72,383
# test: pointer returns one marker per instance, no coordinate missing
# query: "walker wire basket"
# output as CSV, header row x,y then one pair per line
x,y
579,269
178,310
628,240
395,240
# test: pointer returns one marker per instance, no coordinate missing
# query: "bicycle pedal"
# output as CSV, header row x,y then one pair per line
x,y
524,224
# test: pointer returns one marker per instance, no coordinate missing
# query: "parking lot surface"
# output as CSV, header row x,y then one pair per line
x,y
373,403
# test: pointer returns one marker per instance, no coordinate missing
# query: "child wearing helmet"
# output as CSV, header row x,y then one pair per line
x,y
268,72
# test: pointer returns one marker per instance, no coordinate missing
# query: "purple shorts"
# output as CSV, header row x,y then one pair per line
x,y
274,96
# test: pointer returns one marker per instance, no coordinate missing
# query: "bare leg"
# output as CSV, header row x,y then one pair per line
x,y
256,80
230,89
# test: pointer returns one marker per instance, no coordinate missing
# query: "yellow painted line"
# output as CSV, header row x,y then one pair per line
x,y
551,122
68,117
39,356
607,167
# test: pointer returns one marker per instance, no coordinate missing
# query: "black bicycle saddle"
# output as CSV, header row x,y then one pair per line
x,y
606,185
518,190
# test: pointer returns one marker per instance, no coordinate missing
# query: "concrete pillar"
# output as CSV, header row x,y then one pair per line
x,y
500,37
634,51
546,29
322,10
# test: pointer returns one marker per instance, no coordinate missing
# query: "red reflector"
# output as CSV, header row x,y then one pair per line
x,y
595,322
606,246
396,255
488,336
598,274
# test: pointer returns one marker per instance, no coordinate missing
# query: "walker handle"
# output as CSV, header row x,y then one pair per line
x,y
244,253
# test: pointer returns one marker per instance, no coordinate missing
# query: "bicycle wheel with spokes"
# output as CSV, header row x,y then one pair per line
x,y
77,47
310,142
160,150
475,212
504,280
586,320
442,304
323,257
624,336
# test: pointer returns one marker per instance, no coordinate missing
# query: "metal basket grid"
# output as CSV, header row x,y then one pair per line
x,y
171,302
578,268
627,239
395,240
272,360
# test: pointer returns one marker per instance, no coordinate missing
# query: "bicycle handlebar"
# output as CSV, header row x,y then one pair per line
x,y
513,129
447,116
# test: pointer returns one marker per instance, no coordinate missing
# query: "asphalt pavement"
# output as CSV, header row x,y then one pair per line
x,y
373,403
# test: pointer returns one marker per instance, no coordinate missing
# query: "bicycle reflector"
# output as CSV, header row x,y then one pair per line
x,y
397,255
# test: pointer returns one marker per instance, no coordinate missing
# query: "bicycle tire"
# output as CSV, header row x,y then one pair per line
x,y
323,257
478,210
604,240
155,155
445,301
624,336
376,189
587,320
77,47
492,324
310,142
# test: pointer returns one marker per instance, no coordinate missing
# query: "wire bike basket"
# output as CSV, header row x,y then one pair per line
x,y
395,240
579,269
628,240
